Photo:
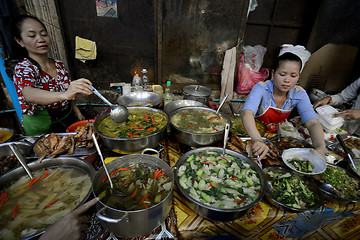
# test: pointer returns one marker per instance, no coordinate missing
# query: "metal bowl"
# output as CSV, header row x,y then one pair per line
x,y
272,198
330,192
197,139
49,163
140,98
132,144
318,164
219,214
174,105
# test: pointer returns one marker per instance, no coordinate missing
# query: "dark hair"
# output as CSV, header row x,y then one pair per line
x,y
17,22
288,56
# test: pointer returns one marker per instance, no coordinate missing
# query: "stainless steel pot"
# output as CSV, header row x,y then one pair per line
x,y
140,98
174,105
49,163
197,92
133,223
219,214
132,144
197,139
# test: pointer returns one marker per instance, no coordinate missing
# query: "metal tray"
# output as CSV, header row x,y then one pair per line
x,y
336,147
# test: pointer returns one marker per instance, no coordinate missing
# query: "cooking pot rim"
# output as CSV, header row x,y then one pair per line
x,y
230,152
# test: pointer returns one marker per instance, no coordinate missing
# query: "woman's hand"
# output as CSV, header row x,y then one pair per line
x,y
80,86
260,149
350,114
71,226
322,102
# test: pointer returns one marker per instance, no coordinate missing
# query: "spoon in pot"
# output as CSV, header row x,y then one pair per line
x,y
20,158
112,190
119,113
222,103
346,150
226,135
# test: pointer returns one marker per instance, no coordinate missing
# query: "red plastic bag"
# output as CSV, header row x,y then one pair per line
x,y
246,77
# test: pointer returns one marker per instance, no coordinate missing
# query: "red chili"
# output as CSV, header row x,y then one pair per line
x,y
224,159
233,178
211,185
3,196
126,183
134,193
208,163
149,129
145,205
50,204
159,175
46,174
212,118
147,195
104,179
156,174
215,129
130,134
133,127
183,115
202,156
139,129
153,121
239,201
258,192
118,170
33,181
15,211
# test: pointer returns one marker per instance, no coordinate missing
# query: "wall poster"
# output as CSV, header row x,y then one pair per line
x,y
106,8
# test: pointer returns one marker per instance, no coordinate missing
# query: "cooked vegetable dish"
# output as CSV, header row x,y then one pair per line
x,y
237,126
198,121
144,185
5,135
141,122
217,180
346,186
302,165
29,206
291,190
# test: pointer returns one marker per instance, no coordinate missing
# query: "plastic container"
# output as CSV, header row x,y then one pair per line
x,y
327,119
145,80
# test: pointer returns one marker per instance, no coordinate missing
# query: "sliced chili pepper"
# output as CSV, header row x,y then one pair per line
x,y
104,179
183,115
46,174
134,193
145,205
157,171
159,175
218,116
130,134
258,192
33,181
212,118
208,163
139,129
134,127
215,129
136,135
202,156
147,195
239,201
15,211
224,159
126,183
194,180
50,204
233,178
211,185
149,129
3,196
118,170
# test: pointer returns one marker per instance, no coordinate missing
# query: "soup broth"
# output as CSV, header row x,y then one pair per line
x,y
29,206
144,185
139,123
5,135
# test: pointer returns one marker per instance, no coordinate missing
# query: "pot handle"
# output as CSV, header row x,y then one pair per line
x,y
101,216
151,150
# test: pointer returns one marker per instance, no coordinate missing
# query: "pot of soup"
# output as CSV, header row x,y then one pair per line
x,y
147,181
144,128
198,126
28,207
197,92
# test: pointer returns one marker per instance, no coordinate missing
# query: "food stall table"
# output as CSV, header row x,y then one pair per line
x,y
264,221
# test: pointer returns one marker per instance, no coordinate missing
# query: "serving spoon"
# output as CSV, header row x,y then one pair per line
x,y
222,103
119,113
20,158
112,189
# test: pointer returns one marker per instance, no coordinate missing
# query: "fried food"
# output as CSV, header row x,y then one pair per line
x,y
53,145
83,137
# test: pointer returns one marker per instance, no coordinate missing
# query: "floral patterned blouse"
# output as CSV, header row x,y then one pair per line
x,y
28,74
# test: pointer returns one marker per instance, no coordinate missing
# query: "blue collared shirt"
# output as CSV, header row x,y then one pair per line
x,y
261,98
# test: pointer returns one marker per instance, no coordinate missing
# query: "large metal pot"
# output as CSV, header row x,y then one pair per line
x,y
133,223
219,214
197,92
132,144
197,139
140,98
49,163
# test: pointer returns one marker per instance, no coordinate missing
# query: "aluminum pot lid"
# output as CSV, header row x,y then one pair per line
x,y
197,90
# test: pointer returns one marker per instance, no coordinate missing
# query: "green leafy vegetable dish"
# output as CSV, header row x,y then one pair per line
x,y
290,190
219,180
198,121
301,165
140,123
346,186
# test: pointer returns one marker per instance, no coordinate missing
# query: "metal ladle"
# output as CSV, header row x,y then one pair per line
x,y
119,113
114,191
222,103
226,135
21,159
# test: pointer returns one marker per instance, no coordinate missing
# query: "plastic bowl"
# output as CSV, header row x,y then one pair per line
x,y
318,164
74,126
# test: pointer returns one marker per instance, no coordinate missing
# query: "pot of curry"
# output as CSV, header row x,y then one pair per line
x,y
144,128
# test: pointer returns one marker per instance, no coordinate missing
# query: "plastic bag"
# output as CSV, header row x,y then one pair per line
x,y
247,77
